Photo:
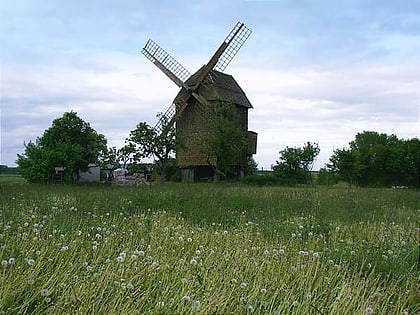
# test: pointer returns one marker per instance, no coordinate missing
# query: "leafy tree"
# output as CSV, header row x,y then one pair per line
x,y
149,142
70,143
128,154
226,140
345,163
295,164
375,159
251,166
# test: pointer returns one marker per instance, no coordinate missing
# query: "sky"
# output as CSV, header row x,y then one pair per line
x,y
314,70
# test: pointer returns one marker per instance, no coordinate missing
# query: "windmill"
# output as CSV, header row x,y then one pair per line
x,y
193,108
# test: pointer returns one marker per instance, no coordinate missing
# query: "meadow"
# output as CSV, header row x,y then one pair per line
x,y
209,248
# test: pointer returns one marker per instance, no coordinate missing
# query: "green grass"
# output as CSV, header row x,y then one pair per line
x,y
207,248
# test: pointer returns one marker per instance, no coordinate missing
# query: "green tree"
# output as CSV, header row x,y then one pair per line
x,y
225,141
295,164
251,166
70,143
375,159
150,142
345,164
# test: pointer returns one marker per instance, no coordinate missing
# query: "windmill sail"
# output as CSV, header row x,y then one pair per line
x,y
227,50
165,62
235,40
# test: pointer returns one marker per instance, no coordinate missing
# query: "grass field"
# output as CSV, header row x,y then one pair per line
x,y
207,248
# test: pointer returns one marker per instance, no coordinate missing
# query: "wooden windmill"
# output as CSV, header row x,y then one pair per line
x,y
193,108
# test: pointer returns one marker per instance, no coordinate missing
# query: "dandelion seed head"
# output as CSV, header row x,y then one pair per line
x,y
31,262
186,299
263,290
369,310
45,292
4,262
250,309
243,285
196,306
193,261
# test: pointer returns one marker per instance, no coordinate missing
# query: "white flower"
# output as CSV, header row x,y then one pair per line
x,y
160,304
186,298
250,309
315,254
120,258
263,290
193,261
196,306
130,286
31,262
243,285
45,292
369,310
4,262
189,239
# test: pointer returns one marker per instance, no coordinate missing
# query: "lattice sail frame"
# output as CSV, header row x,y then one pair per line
x,y
242,34
165,62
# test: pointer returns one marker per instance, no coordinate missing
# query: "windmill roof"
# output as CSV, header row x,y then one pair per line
x,y
220,86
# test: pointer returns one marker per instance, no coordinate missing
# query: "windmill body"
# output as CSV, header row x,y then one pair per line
x,y
193,108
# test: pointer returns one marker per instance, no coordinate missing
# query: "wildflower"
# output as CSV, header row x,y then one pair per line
x,y
45,292
94,247
196,306
64,248
120,259
193,261
369,310
234,281
186,298
243,285
184,280
250,309
133,257
31,262
4,262
130,286
160,304
189,240
266,252
263,290
281,251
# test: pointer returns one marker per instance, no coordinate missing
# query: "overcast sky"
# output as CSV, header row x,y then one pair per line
x,y
318,71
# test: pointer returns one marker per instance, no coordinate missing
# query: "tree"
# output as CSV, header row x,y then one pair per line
x,y
225,141
150,142
345,164
375,159
295,164
69,143
251,166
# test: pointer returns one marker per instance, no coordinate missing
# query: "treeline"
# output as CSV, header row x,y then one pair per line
x,y
372,160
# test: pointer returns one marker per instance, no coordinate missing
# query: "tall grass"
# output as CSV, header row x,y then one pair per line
x,y
207,248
